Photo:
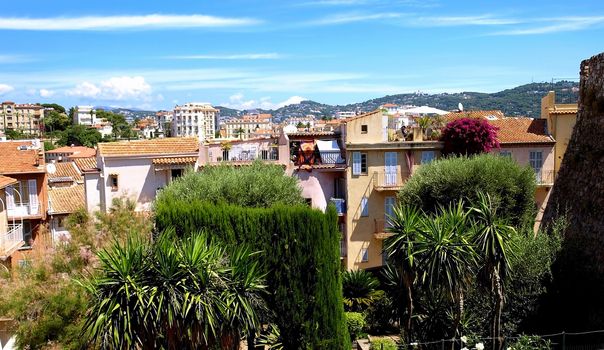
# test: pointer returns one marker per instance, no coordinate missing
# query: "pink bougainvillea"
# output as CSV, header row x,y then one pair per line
x,y
466,136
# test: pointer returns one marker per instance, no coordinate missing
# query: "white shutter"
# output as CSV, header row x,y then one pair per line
x,y
356,163
33,196
10,198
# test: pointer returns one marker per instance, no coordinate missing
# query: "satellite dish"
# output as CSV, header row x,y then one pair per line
x,y
51,168
460,107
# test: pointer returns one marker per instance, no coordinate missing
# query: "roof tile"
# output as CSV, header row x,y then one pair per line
x,y
171,145
14,161
66,200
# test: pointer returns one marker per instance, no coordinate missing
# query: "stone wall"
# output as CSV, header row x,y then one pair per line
x,y
574,300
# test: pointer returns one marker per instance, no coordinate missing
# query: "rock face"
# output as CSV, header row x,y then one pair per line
x,y
575,298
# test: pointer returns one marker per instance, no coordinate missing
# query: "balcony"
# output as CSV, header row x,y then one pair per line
x,y
11,241
327,159
340,205
545,177
389,181
23,210
381,229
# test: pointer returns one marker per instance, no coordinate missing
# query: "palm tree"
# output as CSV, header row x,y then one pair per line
x,y
447,257
400,251
360,289
174,294
495,244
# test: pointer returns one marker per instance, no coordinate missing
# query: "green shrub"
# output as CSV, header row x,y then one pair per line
x,y
300,248
531,342
381,314
257,185
355,321
359,289
445,181
383,344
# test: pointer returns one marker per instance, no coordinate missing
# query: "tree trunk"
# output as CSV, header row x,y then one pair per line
x,y
498,288
408,282
458,315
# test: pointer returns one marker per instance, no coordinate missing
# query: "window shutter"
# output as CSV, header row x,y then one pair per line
x,y
356,163
33,196
10,198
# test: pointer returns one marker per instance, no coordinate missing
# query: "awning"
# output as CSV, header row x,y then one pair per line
x,y
173,163
330,151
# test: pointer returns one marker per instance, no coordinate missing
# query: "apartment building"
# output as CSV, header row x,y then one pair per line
x,y
307,122
84,115
138,169
164,120
561,120
377,169
245,127
26,118
26,197
241,152
195,120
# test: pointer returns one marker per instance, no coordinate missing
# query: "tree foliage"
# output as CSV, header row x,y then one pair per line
x,y
258,185
56,121
510,186
360,289
80,135
468,136
300,254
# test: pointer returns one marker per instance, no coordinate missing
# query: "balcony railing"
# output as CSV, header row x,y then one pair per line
x,y
334,158
248,156
11,240
340,205
385,181
22,209
545,177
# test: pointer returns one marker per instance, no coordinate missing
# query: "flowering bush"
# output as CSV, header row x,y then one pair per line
x,y
466,136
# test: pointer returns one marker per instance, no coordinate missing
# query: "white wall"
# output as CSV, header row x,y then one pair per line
x,y
137,180
92,188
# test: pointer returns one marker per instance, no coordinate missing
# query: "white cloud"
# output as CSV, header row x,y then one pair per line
x,y
555,25
122,22
238,101
412,20
245,56
114,89
354,17
4,89
46,93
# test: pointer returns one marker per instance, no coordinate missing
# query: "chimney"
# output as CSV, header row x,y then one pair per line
x,y
40,158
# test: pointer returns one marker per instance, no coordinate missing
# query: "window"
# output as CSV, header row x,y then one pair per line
x,y
175,173
27,234
389,203
505,154
536,162
225,155
113,182
427,157
364,129
364,206
364,255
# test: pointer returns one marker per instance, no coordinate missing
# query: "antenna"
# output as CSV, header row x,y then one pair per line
x,y
460,107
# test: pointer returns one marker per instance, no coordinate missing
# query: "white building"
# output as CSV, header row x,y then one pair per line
x,y
84,115
307,122
345,114
195,120
163,119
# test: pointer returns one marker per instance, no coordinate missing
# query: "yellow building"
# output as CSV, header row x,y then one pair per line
x,y
377,169
561,119
21,117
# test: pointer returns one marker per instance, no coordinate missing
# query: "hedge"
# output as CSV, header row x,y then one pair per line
x,y
300,248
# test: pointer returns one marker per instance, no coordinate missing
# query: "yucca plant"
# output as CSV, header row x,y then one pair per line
x,y
174,294
360,288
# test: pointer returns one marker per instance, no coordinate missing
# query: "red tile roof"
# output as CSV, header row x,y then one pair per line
x,y
13,160
86,164
489,114
5,181
66,170
175,160
170,145
66,200
76,151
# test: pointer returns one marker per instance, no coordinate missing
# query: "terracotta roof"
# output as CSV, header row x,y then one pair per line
x,y
66,170
389,105
511,129
66,200
489,114
86,164
171,145
14,161
522,130
5,181
77,151
174,160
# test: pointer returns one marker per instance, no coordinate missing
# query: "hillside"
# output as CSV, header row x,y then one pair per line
x,y
524,100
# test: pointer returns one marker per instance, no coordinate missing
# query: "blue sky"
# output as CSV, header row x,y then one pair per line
x,y
246,54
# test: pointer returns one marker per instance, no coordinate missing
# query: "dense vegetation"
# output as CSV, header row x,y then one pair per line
x,y
468,136
445,181
300,254
258,185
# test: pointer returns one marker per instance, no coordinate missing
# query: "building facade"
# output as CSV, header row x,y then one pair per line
x,y
245,127
25,118
84,115
561,120
195,120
